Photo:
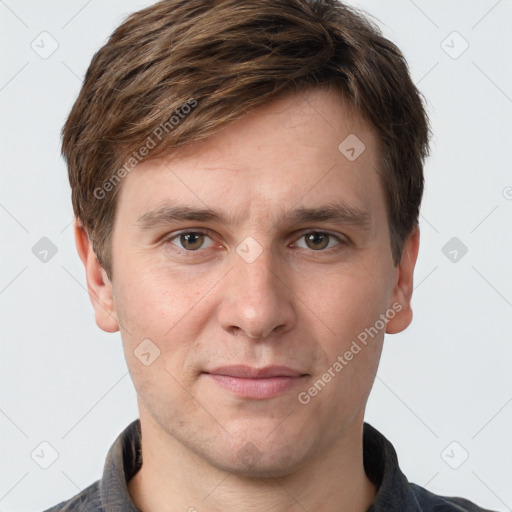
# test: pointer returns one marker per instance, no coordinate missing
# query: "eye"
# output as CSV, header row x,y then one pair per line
x,y
319,240
190,240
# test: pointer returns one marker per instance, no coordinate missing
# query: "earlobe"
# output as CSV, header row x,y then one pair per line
x,y
403,287
98,283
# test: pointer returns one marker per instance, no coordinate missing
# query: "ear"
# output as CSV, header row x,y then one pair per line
x,y
98,283
402,290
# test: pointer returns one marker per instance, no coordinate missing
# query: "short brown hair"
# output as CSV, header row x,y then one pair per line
x,y
224,58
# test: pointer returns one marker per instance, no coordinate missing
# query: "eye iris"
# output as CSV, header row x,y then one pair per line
x,y
315,238
192,240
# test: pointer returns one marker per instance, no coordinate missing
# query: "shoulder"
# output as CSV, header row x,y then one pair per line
x,y
395,492
428,501
87,500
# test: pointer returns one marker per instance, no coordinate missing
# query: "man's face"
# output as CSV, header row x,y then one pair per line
x,y
247,313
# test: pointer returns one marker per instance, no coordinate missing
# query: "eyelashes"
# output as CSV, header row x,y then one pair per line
x,y
196,240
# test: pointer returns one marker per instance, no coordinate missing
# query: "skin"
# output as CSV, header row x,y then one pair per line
x,y
295,305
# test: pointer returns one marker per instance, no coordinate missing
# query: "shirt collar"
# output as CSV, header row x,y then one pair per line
x,y
124,459
381,466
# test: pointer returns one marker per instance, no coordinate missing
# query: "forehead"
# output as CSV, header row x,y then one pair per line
x,y
303,148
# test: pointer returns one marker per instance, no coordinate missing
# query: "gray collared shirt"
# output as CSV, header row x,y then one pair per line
x,y
395,493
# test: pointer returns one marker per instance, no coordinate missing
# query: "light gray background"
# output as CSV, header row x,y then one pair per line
x,y
446,378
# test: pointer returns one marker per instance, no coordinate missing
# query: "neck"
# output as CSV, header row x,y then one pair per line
x,y
173,478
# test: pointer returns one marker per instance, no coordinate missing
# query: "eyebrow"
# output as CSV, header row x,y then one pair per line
x,y
338,213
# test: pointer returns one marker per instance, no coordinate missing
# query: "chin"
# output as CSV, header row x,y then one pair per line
x,y
259,458
257,469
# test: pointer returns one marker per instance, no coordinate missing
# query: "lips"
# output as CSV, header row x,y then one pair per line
x,y
249,372
256,383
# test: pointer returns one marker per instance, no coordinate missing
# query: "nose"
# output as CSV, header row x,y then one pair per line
x,y
257,298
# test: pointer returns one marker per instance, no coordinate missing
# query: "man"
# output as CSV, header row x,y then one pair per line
x,y
246,179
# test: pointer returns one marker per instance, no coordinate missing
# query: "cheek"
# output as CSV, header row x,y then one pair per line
x,y
154,311
350,308
161,313
347,302
154,302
